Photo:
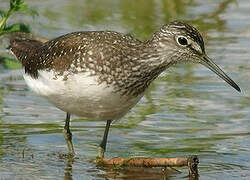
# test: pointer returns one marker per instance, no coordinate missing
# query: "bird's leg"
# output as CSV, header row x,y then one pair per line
x,y
68,135
102,146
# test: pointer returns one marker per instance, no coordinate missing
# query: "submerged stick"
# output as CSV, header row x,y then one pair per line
x,y
191,162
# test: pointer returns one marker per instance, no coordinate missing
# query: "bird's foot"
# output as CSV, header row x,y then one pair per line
x,y
101,152
66,156
68,138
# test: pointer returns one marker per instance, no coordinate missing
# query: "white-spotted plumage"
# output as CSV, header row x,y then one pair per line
x,y
81,95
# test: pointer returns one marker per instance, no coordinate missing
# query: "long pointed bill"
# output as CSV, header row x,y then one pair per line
x,y
206,61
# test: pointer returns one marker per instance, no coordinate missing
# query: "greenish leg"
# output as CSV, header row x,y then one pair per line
x,y
68,135
102,146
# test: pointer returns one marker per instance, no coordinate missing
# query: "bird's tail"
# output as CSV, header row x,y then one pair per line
x,y
23,44
23,35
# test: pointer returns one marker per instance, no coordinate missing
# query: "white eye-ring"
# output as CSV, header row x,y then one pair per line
x,y
182,40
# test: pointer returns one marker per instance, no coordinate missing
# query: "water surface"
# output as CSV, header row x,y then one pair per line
x,y
188,110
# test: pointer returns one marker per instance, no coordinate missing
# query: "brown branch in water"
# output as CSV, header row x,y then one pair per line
x,y
191,162
144,162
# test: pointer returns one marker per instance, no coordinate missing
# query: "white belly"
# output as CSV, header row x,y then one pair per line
x,y
81,95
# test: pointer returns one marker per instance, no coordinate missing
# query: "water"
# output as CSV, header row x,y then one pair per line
x,y
188,110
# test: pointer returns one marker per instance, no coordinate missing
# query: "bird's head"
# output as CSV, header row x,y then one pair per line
x,y
181,42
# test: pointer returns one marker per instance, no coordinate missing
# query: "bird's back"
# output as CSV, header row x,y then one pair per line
x,y
73,52
83,68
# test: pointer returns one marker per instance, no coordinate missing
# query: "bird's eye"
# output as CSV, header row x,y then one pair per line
x,y
182,41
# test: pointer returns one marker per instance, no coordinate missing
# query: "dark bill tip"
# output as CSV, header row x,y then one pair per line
x,y
237,88
206,61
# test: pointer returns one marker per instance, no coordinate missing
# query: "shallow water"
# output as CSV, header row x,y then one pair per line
x,y
188,110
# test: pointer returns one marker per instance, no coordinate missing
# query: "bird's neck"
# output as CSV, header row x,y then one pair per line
x,y
150,63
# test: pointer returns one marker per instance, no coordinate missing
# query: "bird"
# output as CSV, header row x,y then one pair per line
x,y
101,75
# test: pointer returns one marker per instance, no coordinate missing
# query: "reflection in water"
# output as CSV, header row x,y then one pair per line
x,y
131,173
68,169
187,110
138,173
